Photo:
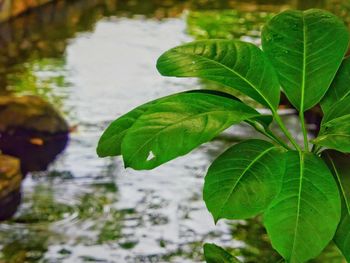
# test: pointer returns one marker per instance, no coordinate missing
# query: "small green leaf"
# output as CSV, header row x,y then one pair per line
x,y
235,64
339,111
176,125
243,181
340,88
111,139
303,218
335,127
339,164
216,254
336,136
306,48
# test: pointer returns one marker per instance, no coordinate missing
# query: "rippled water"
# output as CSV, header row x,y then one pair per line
x,y
86,209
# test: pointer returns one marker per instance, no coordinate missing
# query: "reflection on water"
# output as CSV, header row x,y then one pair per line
x,y
95,60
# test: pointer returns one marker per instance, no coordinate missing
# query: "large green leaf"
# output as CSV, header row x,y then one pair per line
x,y
304,216
111,139
176,125
335,127
243,181
236,64
306,48
340,88
216,254
339,164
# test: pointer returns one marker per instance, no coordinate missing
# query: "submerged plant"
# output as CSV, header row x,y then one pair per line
x,y
302,192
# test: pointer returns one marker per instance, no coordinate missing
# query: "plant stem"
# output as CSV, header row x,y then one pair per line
x,y
313,149
303,127
285,130
273,136
269,134
316,149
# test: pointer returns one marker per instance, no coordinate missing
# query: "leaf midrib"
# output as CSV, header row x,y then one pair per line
x,y
301,171
323,137
233,71
171,125
304,67
340,118
241,176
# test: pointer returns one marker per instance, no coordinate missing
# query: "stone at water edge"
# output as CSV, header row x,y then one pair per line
x,y
30,113
31,130
10,175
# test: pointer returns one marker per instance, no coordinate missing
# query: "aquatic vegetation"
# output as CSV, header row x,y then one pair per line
x,y
226,24
301,191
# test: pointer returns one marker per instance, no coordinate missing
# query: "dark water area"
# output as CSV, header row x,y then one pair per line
x,y
93,61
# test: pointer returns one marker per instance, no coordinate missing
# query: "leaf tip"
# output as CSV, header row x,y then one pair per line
x,y
100,152
216,219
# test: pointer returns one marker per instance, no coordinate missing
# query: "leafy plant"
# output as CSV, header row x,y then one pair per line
x,y
303,193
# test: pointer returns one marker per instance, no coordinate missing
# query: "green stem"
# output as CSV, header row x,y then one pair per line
x,y
303,127
313,149
318,149
268,133
285,130
274,137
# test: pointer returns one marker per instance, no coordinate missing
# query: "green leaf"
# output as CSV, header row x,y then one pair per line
x,y
216,254
336,136
335,127
243,181
306,48
111,139
263,120
339,164
235,64
340,88
176,125
303,218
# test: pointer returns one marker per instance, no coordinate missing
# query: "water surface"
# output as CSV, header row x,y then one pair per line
x,y
95,60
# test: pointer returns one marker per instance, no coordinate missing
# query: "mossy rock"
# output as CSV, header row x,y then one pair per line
x,y
10,175
29,113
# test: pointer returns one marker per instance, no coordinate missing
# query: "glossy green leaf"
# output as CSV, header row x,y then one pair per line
x,y
111,139
336,136
335,127
339,164
263,120
339,111
340,88
243,181
176,125
303,218
306,48
216,254
235,64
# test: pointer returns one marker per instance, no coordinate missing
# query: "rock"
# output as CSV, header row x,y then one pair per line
x,y
9,204
12,8
10,175
29,113
31,130
36,150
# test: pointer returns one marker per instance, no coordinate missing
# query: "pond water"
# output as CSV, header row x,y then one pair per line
x,y
94,61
